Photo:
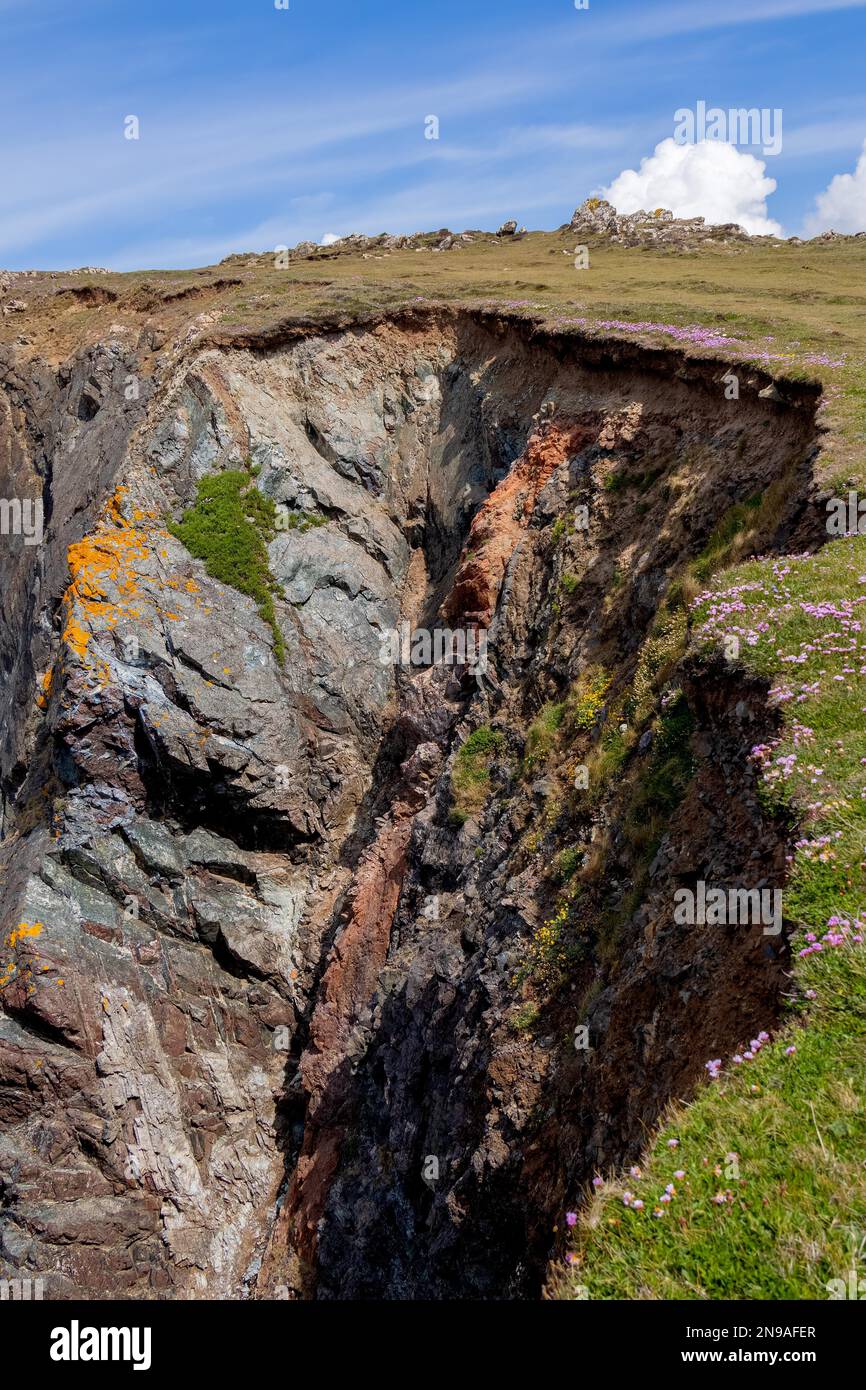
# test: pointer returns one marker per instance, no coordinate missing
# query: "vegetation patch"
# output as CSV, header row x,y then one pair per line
x,y
659,655
228,527
758,1189
541,736
568,862
470,780
305,521
525,1018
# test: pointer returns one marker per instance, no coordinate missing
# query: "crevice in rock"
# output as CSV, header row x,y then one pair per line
x,y
450,455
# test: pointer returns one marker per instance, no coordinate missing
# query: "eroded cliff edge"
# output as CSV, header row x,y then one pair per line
x,y
255,972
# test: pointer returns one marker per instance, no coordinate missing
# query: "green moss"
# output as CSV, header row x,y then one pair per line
x,y
305,521
481,741
228,527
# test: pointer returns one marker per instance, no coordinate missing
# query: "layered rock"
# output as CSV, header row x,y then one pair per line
x,y
233,1030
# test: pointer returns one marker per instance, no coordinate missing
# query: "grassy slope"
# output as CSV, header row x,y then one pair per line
x,y
795,1216
773,1201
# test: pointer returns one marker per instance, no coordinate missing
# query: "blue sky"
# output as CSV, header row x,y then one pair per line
x,y
261,127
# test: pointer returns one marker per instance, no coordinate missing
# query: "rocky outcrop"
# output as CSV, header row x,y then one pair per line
x,y
256,983
598,217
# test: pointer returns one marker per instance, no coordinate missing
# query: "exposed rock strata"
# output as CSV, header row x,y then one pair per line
x,y
231,1031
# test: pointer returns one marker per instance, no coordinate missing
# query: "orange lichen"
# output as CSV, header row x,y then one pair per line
x,y
24,929
76,637
45,694
108,556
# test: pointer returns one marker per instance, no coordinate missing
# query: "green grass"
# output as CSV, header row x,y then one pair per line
x,y
541,735
228,527
736,523
793,1128
470,779
797,1124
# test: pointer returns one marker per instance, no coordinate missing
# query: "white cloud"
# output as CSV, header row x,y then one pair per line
x,y
710,179
842,205
329,238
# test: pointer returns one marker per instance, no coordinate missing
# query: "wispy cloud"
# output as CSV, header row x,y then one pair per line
x,y
533,117
666,20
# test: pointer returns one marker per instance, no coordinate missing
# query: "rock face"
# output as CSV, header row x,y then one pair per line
x,y
234,1031
596,216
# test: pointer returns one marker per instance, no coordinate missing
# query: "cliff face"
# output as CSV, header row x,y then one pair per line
x,y
258,985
